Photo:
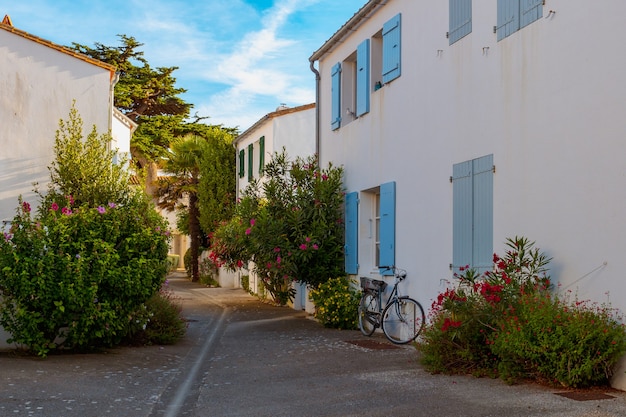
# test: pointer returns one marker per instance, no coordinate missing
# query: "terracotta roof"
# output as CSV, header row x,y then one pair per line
x,y
8,26
279,112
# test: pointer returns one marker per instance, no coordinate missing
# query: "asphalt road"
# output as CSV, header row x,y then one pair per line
x,y
241,357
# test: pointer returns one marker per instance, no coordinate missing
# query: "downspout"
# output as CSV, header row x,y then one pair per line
x,y
317,111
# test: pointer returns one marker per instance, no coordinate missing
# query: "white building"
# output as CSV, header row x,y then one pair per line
x,y
291,128
462,123
39,81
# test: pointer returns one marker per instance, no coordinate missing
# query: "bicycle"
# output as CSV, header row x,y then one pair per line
x,y
401,320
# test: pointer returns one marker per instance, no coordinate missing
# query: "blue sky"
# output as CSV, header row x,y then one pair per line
x,y
238,59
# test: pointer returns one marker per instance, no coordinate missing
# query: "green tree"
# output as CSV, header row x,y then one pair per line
x,y
147,96
216,192
179,190
84,168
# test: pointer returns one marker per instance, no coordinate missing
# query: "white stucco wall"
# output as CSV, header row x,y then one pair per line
x,y
38,85
547,102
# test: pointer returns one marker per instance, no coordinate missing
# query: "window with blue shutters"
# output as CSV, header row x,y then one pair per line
x,y
460,19
335,92
250,161
516,14
363,78
261,154
242,161
391,49
387,237
352,233
472,230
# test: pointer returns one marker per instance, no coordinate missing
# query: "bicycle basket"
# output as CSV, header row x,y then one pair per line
x,y
372,284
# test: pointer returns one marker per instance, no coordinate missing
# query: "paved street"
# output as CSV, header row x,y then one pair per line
x,y
242,357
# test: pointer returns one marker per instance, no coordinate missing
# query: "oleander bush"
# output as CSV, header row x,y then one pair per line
x,y
75,277
510,322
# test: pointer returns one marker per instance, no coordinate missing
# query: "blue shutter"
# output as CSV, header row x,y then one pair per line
x,y
335,92
352,233
391,49
462,215
530,11
482,258
460,19
363,78
508,17
472,208
387,225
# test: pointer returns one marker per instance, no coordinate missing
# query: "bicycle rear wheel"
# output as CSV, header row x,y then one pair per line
x,y
368,313
403,319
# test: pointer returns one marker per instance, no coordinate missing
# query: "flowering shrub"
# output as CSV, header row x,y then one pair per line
x,y
76,276
290,229
508,322
336,304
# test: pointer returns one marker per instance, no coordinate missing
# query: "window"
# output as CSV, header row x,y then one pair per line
x,y
472,201
250,161
261,154
460,19
516,14
381,223
348,89
242,160
391,49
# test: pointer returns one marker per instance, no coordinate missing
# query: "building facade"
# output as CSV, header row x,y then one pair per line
x,y
288,128
462,123
40,81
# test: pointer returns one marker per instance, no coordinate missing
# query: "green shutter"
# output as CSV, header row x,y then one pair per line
x,y
242,160
261,154
250,161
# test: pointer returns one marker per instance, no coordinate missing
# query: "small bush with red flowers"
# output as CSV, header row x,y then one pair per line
x,y
509,322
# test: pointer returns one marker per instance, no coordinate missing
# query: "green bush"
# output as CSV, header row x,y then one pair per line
x,y
508,322
336,303
74,277
164,324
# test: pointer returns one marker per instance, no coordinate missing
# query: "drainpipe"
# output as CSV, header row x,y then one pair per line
x,y
317,111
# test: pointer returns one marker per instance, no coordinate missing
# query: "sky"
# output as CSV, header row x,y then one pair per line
x,y
237,59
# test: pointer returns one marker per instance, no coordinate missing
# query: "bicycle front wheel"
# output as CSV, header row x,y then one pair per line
x,y
403,320
368,313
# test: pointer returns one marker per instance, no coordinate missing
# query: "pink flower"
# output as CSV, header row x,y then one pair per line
x,y
70,198
101,210
303,246
269,265
248,231
278,259
252,221
315,246
112,205
276,249
26,207
307,239
54,207
324,177
67,211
